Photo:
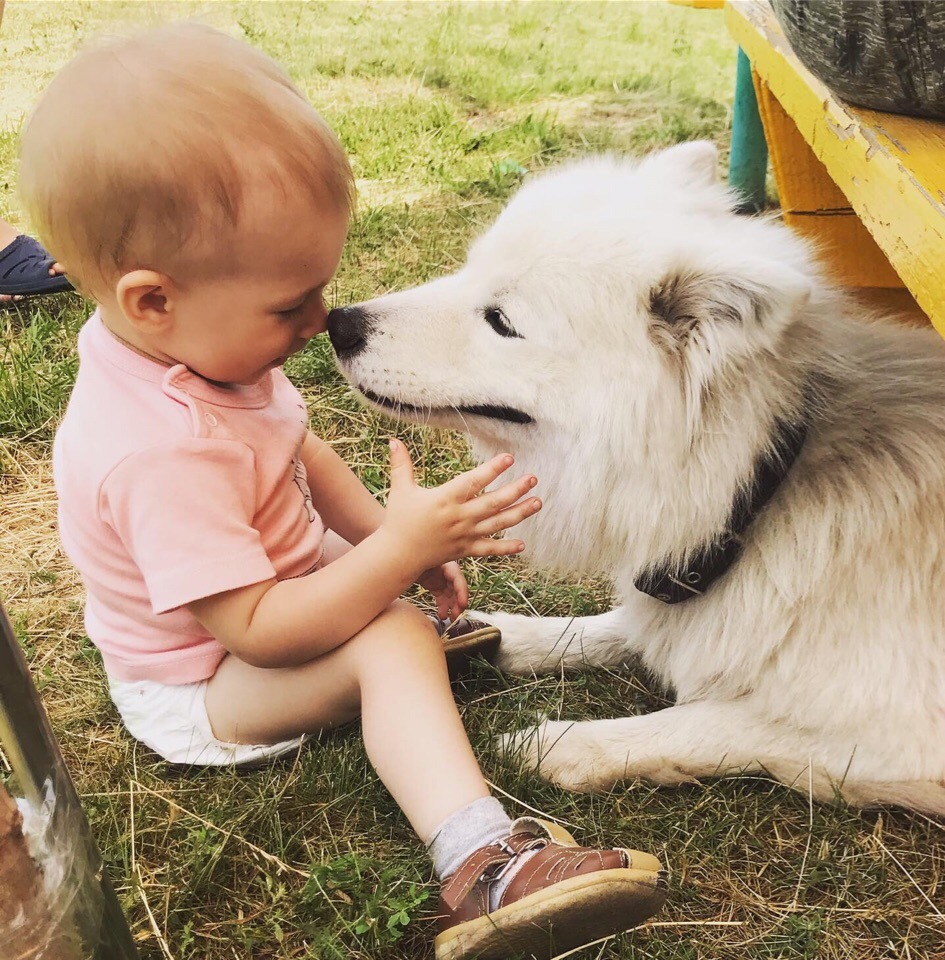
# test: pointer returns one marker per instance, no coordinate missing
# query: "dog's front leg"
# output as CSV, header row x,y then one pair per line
x,y
677,745
533,645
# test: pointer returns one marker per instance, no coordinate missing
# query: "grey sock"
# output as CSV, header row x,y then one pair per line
x,y
476,825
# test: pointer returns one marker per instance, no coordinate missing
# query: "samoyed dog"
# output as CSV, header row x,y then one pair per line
x,y
755,462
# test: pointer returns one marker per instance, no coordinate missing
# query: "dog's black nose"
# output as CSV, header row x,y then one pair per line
x,y
348,328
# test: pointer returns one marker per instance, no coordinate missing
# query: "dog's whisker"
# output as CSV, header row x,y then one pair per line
x,y
462,418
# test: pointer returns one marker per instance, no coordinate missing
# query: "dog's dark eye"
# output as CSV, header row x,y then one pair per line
x,y
496,319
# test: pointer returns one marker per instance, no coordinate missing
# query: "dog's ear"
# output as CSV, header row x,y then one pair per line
x,y
758,299
709,322
694,163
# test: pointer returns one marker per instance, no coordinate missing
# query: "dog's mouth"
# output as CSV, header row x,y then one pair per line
x,y
492,411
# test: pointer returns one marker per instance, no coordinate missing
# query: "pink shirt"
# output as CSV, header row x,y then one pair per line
x,y
172,489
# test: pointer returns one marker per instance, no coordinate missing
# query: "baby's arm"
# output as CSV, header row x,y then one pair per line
x,y
351,511
284,623
342,501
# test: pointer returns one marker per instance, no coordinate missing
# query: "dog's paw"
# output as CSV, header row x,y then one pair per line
x,y
556,750
593,755
524,650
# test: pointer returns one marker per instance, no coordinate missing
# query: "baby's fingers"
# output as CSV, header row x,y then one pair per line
x,y
459,586
471,483
401,467
492,502
509,518
495,548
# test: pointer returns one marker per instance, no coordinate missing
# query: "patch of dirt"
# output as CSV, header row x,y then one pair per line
x,y
621,113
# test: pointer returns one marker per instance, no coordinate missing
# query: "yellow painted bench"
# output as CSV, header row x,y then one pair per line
x,y
868,187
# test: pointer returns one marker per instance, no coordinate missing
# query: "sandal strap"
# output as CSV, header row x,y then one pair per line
x,y
528,834
460,884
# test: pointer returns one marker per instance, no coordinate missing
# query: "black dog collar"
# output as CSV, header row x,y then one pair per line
x,y
672,583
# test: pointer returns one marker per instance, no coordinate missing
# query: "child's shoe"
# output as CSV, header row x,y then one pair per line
x,y
558,897
464,640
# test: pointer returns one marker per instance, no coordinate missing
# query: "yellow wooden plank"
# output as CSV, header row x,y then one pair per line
x,y
700,4
897,305
815,207
891,168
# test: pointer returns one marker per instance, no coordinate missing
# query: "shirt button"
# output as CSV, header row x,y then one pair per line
x,y
211,419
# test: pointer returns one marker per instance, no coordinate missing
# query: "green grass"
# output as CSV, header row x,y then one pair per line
x,y
442,108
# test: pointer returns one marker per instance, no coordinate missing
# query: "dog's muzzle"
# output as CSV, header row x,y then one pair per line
x,y
348,330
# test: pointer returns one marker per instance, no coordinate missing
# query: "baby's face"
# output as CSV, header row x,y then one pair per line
x,y
237,326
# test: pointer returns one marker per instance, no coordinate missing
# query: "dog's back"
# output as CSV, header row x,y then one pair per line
x,y
833,620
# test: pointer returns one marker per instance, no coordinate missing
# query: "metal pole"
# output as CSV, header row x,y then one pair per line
x,y
88,905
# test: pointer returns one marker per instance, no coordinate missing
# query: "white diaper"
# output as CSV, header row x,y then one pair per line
x,y
172,720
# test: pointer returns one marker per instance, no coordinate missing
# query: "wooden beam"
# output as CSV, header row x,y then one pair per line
x,y
890,168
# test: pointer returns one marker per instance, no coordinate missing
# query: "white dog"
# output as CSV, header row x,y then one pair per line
x,y
707,419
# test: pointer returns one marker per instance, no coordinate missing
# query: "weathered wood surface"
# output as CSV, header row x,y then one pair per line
x,y
890,168
815,207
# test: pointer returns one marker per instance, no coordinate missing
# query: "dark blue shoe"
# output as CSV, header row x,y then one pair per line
x,y
24,270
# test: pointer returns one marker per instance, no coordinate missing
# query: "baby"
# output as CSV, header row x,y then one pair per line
x,y
242,584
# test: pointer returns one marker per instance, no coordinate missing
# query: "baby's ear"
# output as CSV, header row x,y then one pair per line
x,y
143,296
690,164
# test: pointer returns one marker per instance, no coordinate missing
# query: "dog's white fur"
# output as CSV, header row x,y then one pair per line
x,y
661,336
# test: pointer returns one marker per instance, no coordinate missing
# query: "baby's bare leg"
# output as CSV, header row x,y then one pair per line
x,y
394,674
334,547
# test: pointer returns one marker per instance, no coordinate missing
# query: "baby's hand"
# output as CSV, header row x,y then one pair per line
x,y
437,524
449,587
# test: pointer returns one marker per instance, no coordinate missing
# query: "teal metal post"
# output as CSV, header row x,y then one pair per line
x,y
748,164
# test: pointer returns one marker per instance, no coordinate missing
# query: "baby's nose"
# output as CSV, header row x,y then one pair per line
x,y
313,326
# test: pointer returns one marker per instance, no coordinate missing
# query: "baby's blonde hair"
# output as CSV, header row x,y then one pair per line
x,y
139,153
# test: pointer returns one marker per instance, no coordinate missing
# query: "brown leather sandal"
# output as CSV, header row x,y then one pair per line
x,y
464,640
561,897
